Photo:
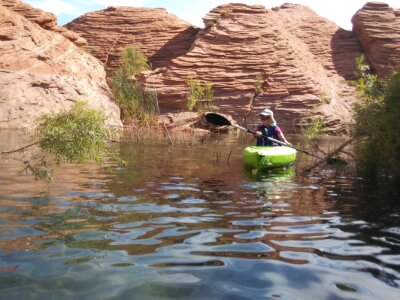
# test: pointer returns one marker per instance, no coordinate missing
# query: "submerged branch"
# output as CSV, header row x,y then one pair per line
x,y
165,126
20,149
330,155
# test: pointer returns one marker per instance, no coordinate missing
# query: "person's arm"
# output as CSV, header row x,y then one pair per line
x,y
280,135
258,132
283,139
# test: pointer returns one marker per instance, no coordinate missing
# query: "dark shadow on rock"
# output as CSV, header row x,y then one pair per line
x,y
345,49
175,47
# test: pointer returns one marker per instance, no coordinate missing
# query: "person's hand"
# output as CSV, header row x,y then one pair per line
x,y
289,143
258,134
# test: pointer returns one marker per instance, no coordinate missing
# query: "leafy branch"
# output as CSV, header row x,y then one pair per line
x,y
377,125
135,102
78,135
200,96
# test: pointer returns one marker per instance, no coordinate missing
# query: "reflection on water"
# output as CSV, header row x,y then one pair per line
x,y
182,222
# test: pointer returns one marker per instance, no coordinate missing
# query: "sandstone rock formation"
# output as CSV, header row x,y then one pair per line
x,y
158,34
300,60
44,19
43,72
378,29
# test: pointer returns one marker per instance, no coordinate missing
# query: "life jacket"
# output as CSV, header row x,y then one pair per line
x,y
271,131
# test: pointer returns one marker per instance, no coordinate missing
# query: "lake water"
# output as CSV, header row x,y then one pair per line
x,y
188,222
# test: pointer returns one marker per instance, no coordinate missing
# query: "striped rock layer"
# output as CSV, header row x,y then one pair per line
x,y
44,19
159,35
300,60
378,28
43,72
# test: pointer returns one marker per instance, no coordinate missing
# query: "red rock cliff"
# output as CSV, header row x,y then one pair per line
x,y
42,72
378,29
44,19
303,60
158,34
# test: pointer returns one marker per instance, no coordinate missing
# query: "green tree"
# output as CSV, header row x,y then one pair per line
x,y
200,95
314,129
78,135
135,102
377,123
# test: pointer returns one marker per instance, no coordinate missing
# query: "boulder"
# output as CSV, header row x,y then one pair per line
x,y
43,72
378,28
44,19
159,35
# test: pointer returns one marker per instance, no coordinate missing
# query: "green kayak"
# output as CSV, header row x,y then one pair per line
x,y
267,157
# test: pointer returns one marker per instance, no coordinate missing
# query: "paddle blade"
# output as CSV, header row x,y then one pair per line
x,y
217,119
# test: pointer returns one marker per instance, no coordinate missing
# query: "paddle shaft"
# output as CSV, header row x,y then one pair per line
x,y
277,141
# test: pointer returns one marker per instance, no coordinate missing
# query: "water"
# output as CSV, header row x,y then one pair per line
x,y
187,222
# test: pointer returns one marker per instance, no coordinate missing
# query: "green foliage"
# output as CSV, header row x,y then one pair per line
x,y
259,84
76,135
314,126
133,61
369,87
314,129
209,24
377,122
200,96
324,99
134,101
38,168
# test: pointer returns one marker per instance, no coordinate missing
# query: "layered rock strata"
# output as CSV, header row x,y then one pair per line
x,y
43,72
334,48
44,19
299,61
378,28
159,35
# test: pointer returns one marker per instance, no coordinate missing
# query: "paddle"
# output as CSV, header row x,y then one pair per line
x,y
219,120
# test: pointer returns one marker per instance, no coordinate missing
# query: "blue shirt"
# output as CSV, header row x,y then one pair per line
x,y
270,131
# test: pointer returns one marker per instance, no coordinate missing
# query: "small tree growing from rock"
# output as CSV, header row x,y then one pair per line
x,y
258,85
135,102
200,96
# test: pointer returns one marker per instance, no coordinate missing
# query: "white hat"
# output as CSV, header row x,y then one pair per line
x,y
267,112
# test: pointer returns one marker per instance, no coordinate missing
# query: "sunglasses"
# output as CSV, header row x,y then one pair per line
x,y
263,118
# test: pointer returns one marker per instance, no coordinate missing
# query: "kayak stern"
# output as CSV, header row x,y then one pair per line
x,y
268,157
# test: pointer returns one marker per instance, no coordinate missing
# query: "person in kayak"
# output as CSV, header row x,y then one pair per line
x,y
268,128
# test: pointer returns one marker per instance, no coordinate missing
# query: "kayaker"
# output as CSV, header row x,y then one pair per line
x,y
268,128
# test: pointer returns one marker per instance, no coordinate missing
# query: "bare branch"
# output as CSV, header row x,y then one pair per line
x,y
329,156
20,149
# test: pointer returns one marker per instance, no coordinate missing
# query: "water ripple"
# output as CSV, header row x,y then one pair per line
x,y
194,232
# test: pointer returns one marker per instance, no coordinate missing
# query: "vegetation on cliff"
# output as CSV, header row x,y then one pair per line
x,y
200,95
377,122
135,102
